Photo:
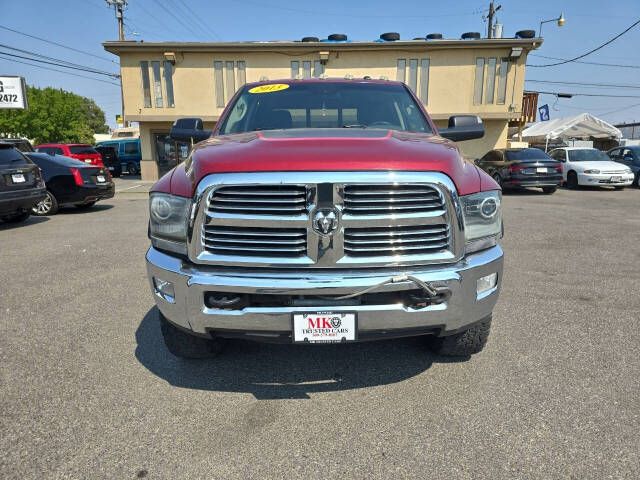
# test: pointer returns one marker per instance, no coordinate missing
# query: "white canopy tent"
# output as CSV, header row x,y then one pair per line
x,y
583,126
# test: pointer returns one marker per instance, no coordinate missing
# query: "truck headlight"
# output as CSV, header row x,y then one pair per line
x,y
168,220
482,213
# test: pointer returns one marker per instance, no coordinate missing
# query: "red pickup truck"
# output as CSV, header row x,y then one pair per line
x,y
324,211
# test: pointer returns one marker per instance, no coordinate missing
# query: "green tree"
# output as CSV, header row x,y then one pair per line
x,y
54,115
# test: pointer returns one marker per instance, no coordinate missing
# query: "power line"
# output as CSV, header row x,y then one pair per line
x,y
585,84
591,51
581,94
58,64
65,62
177,17
206,28
629,107
58,44
586,63
61,71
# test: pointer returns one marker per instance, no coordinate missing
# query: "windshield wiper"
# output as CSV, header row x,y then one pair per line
x,y
355,125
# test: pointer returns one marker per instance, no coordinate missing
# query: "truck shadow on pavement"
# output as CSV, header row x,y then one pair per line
x,y
276,371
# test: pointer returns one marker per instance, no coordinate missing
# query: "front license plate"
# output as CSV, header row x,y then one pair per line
x,y
325,327
541,169
100,178
18,178
616,179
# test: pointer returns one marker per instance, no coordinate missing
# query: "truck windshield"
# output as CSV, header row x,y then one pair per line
x,y
588,155
325,104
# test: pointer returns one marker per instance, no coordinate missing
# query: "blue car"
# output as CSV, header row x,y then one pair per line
x,y
129,153
629,156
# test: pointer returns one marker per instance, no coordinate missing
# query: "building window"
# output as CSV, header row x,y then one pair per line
x,y
219,83
306,69
157,84
146,86
242,73
168,83
424,80
477,88
402,66
413,74
317,68
230,75
502,80
295,69
491,80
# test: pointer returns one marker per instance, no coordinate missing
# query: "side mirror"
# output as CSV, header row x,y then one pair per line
x,y
463,127
188,130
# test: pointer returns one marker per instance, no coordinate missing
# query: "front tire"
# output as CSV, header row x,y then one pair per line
x,y
16,217
183,345
47,206
549,190
498,179
132,169
462,344
572,180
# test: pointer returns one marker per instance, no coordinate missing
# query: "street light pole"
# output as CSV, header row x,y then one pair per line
x,y
560,21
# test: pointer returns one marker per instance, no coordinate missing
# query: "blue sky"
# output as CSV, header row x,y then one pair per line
x,y
84,24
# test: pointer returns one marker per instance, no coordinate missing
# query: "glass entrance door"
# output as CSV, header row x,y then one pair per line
x,y
169,153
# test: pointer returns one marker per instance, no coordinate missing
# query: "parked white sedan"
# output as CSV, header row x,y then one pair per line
x,y
589,166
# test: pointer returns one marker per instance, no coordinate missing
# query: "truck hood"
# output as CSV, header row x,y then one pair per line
x,y
324,150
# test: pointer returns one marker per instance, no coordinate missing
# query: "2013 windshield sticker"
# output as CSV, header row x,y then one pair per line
x,y
274,87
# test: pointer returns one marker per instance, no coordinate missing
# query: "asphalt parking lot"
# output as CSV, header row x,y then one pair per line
x,y
89,391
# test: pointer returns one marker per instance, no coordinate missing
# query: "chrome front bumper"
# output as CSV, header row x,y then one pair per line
x,y
187,308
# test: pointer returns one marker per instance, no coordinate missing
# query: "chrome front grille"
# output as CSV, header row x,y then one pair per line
x,y
394,198
263,199
255,241
269,219
397,240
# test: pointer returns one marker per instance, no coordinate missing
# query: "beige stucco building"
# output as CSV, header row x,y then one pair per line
x,y
165,81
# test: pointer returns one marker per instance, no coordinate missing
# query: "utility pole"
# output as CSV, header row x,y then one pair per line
x,y
119,6
492,12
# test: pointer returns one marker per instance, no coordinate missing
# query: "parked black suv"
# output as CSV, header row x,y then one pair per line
x,y
21,144
21,184
110,160
522,167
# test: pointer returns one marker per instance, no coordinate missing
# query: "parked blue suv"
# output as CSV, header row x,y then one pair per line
x,y
629,156
128,153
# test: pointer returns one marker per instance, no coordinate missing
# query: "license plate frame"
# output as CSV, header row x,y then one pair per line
x,y
347,320
101,178
615,179
18,178
542,170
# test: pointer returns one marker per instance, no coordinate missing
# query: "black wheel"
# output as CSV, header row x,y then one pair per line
x,y
471,36
462,344
47,206
337,37
572,180
390,37
496,176
310,39
526,34
16,217
549,190
132,168
85,206
434,36
183,345
638,179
